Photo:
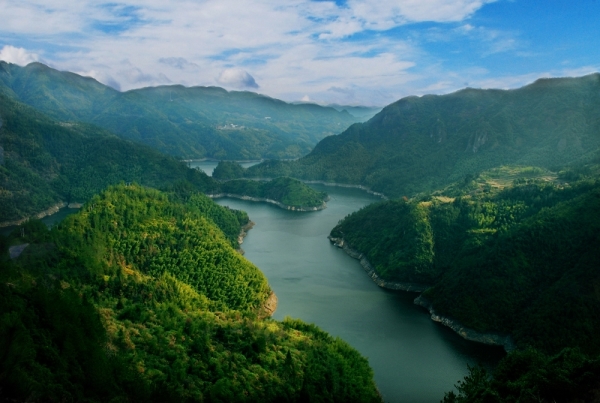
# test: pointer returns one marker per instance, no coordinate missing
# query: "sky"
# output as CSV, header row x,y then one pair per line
x,y
349,52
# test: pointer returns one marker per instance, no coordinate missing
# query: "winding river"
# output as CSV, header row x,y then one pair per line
x,y
414,359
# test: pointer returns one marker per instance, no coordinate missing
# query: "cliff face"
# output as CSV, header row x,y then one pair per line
x,y
491,339
390,285
275,202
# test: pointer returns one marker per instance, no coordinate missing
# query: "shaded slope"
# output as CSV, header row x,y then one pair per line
x,y
44,162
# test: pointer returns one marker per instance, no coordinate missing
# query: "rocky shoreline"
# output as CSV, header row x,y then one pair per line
x,y
491,339
389,285
260,199
49,211
340,185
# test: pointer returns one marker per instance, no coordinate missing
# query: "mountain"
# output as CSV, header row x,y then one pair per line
x,y
188,123
423,143
139,297
363,113
44,162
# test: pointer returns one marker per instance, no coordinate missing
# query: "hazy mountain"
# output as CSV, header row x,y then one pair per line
x,y
363,113
43,162
423,143
185,122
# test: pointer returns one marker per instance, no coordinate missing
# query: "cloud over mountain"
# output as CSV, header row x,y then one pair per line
x,y
236,78
18,56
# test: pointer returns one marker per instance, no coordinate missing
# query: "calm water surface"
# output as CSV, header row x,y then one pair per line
x,y
414,359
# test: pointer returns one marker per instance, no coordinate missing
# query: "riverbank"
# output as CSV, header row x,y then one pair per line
x,y
44,213
366,265
344,185
335,184
275,202
490,338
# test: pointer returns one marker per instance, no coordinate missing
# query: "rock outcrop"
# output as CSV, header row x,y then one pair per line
x,y
489,338
390,285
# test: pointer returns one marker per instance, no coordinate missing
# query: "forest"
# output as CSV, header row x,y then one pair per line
x,y
141,297
420,144
517,258
187,123
45,162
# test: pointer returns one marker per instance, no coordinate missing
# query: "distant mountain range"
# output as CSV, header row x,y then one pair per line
x,y
196,122
423,143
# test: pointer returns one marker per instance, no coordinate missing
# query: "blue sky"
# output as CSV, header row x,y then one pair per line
x,y
368,52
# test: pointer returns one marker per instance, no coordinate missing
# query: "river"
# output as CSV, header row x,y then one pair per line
x,y
413,358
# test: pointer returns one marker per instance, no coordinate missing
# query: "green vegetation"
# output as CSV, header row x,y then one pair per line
x,y
528,248
195,122
140,297
287,191
531,377
419,144
45,162
516,258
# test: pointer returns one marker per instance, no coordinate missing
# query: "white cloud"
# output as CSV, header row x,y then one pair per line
x,y
18,56
236,78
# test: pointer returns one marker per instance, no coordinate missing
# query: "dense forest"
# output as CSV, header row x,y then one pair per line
x,y
516,258
420,144
140,297
189,123
44,162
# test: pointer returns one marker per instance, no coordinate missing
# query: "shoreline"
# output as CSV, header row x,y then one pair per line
x,y
44,213
366,265
335,184
271,201
488,338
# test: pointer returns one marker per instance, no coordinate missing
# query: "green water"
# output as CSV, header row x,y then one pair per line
x,y
414,359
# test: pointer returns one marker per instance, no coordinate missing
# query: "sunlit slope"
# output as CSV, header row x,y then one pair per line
x,y
522,260
423,143
185,122
140,298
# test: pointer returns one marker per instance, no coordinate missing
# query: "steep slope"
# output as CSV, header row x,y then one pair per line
x,y
44,162
419,144
139,298
521,261
185,122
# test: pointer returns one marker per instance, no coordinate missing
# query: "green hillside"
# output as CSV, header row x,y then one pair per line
x,y
43,162
521,260
287,191
423,143
518,258
140,298
194,122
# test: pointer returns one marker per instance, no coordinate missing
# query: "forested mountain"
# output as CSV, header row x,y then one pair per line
x,y
43,162
516,258
194,122
422,143
139,297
